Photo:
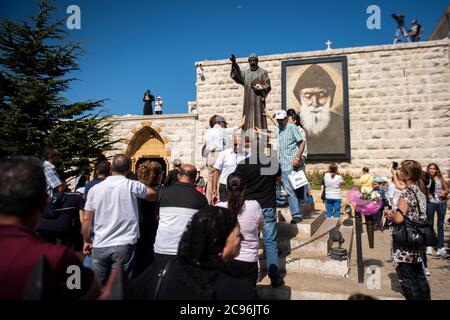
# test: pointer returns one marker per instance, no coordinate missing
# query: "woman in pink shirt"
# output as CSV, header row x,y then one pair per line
x,y
251,220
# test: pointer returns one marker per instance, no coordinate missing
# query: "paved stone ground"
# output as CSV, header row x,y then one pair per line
x,y
309,286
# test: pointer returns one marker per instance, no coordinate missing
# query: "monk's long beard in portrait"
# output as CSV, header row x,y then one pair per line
x,y
315,120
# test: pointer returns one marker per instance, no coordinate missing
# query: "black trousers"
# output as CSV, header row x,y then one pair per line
x,y
413,281
243,270
223,193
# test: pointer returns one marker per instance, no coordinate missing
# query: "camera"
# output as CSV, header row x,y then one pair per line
x,y
394,165
400,19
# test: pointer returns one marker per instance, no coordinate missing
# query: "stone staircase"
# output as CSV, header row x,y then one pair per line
x,y
311,274
313,257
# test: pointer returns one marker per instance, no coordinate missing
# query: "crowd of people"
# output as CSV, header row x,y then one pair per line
x,y
183,237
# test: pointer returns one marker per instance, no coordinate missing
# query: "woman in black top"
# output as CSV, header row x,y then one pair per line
x,y
211,238
149,173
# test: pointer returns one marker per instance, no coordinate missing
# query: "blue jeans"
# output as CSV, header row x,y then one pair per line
x,y
104,259
281,200
440,208
87,262
333,205
293,197
270,242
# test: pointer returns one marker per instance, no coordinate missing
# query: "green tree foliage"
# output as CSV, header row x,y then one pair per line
x,y
37,63
315,178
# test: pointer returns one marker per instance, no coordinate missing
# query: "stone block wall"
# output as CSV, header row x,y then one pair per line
x,y
399,101
178,132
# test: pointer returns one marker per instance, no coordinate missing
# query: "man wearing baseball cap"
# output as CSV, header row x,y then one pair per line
x,y
291,145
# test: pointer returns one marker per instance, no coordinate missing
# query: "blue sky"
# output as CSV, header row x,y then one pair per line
x,y
136,45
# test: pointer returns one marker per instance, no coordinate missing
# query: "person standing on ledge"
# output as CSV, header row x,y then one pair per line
x,y
256,84
158,106
148,99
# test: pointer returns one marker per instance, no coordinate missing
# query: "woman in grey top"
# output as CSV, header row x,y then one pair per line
x,y
437,197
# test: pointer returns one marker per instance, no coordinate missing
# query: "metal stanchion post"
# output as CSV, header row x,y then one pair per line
x,y
358,222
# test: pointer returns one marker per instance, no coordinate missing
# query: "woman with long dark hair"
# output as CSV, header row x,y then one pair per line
x,y
251,220
149,173
437,197
211,239
412,205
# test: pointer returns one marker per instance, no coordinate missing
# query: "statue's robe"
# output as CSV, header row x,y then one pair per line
x,y
254,103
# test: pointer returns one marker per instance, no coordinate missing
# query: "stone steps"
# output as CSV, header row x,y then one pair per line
x,y
318,248
302,230
319,287
312,258
311,265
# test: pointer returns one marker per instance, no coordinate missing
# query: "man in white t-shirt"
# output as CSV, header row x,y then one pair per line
x,y
225,165
116,226
158,106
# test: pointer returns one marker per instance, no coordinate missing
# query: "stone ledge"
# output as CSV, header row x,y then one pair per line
x,y
154,117
334,52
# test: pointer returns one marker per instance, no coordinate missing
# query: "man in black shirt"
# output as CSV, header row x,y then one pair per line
x,y
176,205
416,31
261,173
172,176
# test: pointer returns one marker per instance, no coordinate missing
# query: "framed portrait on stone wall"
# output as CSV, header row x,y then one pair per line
x,y
318,90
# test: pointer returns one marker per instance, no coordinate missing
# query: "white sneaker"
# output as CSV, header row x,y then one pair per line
x,y
443,253
427,272
429,251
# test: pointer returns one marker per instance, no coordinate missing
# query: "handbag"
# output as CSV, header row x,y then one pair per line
x,y
297,179
414,234
323,195
204,151
161,277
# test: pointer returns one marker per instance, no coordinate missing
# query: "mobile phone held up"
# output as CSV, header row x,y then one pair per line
x,y
394,165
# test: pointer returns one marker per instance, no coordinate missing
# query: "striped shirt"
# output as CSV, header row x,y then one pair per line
x,y
51,177
289,138
176,204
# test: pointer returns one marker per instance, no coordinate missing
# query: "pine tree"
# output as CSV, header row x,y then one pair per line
x,y
36,64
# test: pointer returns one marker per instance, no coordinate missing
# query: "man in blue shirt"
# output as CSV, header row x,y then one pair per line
x,y
291,145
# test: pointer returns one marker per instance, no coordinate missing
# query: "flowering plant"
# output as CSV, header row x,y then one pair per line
x,y
368,203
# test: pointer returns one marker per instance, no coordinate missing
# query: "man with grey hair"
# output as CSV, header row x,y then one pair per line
x,y
315,91
116,226
172,176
